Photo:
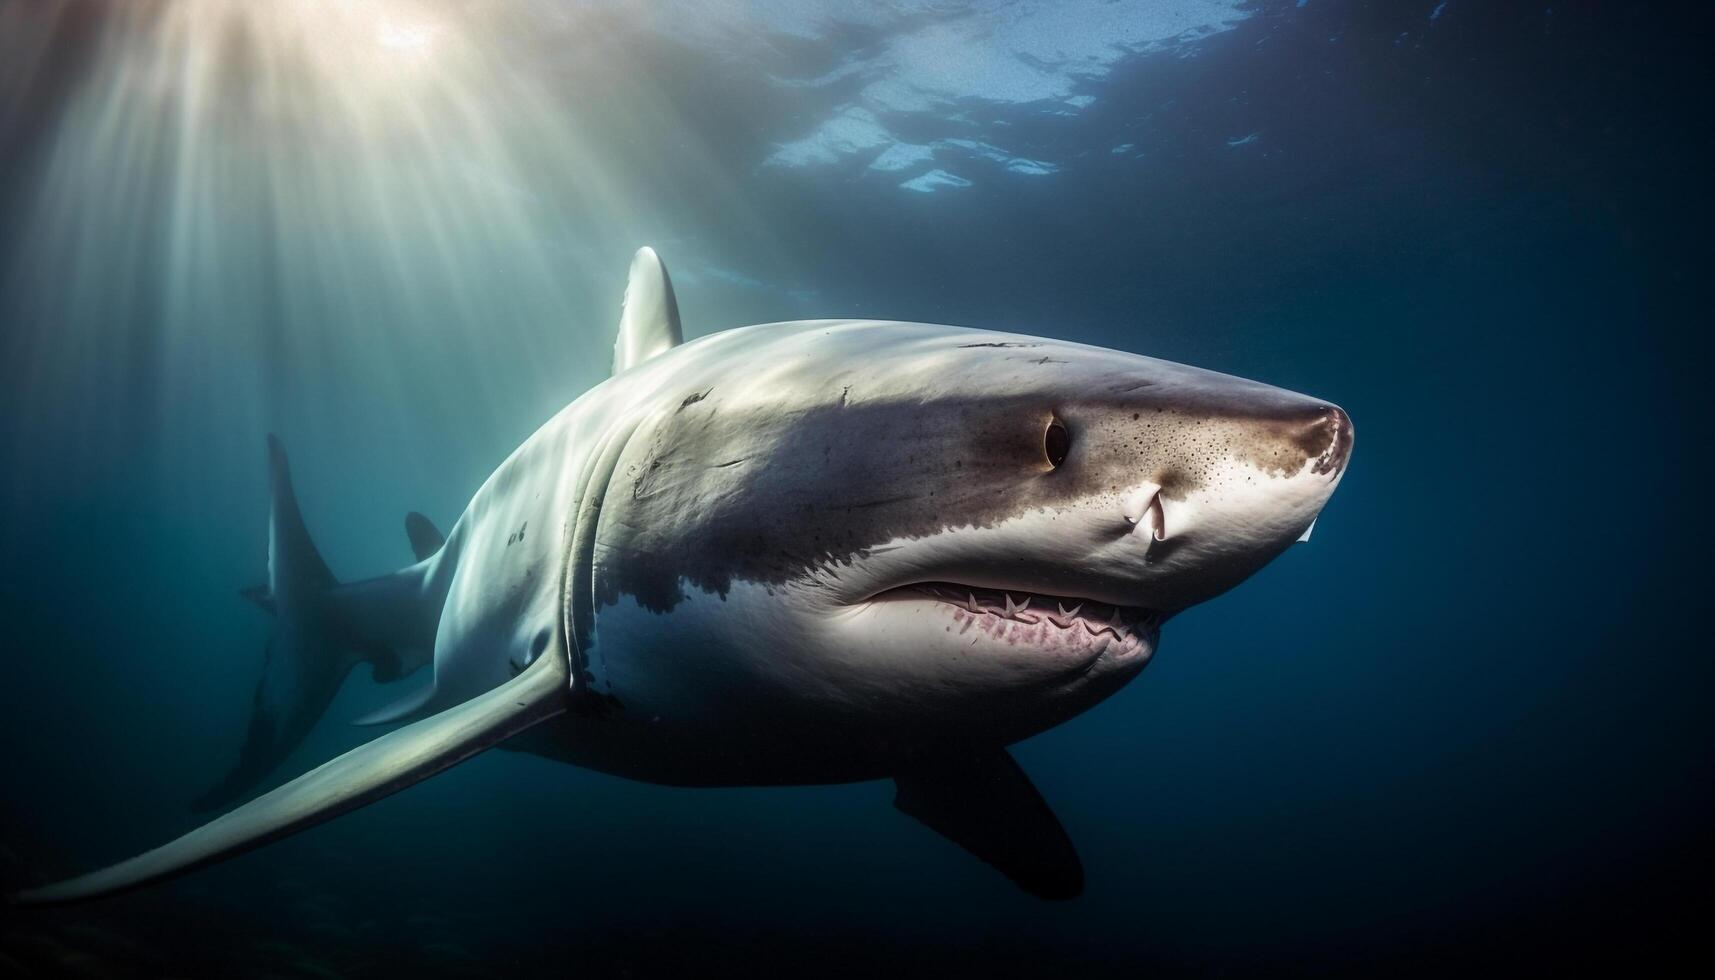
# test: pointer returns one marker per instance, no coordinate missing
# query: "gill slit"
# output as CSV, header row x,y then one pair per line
x,y
577,580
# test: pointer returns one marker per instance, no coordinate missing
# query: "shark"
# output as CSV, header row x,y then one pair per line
x,y
795,553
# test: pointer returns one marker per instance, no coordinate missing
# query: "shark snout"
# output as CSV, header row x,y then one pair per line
x,y
1236,490
1328,437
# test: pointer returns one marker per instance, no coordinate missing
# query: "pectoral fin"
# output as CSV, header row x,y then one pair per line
x,y
984,803
359,777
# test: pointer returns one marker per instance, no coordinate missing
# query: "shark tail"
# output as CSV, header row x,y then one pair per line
x,y
322,629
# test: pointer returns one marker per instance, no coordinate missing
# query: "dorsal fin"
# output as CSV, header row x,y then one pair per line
x,y
426,539
649,321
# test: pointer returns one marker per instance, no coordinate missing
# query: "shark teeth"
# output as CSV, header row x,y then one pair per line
x,y
1117,627
1017,610
1064,619
1125,624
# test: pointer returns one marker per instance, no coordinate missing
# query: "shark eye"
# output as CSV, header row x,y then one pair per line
x,y
1056,443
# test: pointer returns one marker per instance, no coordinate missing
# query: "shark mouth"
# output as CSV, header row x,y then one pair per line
x,y
1120,630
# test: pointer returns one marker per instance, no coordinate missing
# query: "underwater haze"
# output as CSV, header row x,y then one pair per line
x,y
1467,726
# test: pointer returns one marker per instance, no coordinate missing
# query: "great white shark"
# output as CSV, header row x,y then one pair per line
x,y
795,553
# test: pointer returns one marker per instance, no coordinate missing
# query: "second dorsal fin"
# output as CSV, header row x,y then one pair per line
x,y
649,321
426,539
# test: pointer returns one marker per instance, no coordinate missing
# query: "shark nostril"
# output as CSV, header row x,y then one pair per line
x,y
1144,513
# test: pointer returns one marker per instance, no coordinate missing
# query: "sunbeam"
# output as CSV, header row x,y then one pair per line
x,y
237,200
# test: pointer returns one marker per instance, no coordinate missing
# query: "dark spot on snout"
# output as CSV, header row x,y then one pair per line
x,y
694,398
1333,458
1175,482
1314,439
1325,440
1320,438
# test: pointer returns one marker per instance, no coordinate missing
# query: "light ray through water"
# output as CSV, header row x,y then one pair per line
x,y
237,200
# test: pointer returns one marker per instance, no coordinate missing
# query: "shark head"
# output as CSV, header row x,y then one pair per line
x,y
937,528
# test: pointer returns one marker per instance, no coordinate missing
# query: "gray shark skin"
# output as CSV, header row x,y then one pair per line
x,y
794,553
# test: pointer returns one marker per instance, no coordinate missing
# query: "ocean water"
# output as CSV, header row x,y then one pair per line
x,y
1466,727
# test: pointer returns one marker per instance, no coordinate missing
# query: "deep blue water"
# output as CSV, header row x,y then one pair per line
x,y
1466,726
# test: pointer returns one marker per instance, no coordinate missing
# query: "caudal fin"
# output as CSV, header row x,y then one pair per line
x,y
304,663
321,630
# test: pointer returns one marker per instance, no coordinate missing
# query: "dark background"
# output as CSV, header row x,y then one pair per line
x,y
1466,727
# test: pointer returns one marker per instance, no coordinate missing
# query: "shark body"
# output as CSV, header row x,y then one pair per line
x,y
794,553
